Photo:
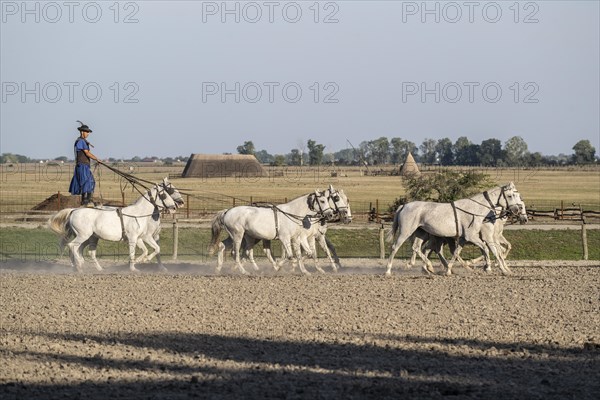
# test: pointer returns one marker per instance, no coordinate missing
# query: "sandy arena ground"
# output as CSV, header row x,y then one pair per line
x,y
351,335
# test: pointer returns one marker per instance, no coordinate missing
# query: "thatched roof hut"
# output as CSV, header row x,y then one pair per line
x,y
410,167
222,165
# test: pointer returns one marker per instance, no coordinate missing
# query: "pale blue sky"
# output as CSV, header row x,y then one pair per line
x,y
371,58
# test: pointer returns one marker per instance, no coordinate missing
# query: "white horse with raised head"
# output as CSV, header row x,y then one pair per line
x,y
427,243
308,237
136,224
316,234
463,219
285,222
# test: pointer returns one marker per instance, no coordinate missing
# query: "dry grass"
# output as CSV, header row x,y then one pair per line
x,y
26,185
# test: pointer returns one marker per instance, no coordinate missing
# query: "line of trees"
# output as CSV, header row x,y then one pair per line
x,y
490,152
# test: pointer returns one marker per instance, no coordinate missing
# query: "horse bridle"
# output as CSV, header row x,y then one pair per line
x,y
170,190
160,195
321,211
335,196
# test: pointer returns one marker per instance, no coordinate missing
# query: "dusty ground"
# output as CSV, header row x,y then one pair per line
x,y
355,334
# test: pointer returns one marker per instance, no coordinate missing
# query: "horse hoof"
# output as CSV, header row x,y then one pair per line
x,y
388,273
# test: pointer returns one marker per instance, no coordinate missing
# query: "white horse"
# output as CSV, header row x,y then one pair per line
x,y
285,222
465,221
309,237
317,232
424,243
137,223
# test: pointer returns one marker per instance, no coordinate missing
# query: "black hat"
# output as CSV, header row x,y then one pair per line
x,y
83,127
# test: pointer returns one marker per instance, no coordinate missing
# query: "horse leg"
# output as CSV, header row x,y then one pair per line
x,y
250,243
325,247
75,250
269,254
237,244
297,249
311,242
476,240
220,256
144,256
502,240
456,254
417,241
416,247
488,238
395,247
156,247
93,244
332,252
132,245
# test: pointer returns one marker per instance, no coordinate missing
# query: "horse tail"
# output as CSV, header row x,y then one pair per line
x,y
216,226
391,233
59,222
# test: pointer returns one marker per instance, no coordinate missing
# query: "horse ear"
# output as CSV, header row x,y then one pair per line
x,y
166,179
331,187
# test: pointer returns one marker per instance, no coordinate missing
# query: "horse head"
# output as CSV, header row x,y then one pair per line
x,y
161,199
511,198
320,203
174,193
341,204
522,214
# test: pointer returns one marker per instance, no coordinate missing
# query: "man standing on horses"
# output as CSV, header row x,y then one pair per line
x,y
83,182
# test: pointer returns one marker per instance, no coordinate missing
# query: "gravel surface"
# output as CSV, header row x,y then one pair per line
x,y
355,334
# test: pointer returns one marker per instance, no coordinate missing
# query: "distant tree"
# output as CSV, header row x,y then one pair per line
x,y
168,160
14,158
61,158
534,159
278,160
428,153
264,157
516,152
380,150
295,157
490,152
443,148
136,159
315,152
585,153
401,148
364,153
246,148
465,152
345,157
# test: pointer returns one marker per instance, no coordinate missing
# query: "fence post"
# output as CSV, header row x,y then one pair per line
x,y
187,206
377,211
58,200
584,235
233,202
175,239
123,198
382,243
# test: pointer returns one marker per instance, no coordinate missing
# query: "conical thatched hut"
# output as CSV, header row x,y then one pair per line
x,y
410,167
217,165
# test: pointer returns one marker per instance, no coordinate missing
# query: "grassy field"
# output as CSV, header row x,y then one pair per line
x,y
23,186
41,245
